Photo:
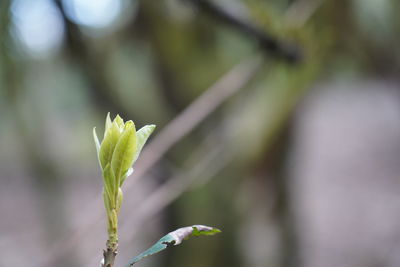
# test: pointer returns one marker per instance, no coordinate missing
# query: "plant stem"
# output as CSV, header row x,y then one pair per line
x,y
112,243
109,254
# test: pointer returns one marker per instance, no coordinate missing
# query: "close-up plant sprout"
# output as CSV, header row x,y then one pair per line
x,y
277,122
118,151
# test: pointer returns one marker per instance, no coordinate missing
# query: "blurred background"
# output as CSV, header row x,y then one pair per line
x,y
277,122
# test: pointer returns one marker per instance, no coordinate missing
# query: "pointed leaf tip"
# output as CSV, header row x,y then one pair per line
x,y
108,124
96,140
120,122
97,143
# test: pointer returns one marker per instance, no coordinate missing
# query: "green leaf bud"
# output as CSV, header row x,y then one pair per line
x,y
110,184
117,152
108,145
120,123
124,151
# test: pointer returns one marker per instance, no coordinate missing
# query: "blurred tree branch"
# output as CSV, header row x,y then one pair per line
x,y
148,23
288,52
93,66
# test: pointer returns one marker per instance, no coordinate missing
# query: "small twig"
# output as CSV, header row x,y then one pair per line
x,y
289,52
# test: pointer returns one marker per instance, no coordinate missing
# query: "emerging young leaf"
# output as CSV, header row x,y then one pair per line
x,y
109,183
142,135
124,151
120,122
96,141
108,124
175,238
108,145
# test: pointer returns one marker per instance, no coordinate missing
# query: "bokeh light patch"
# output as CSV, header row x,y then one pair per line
x,y
38,26
93,13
